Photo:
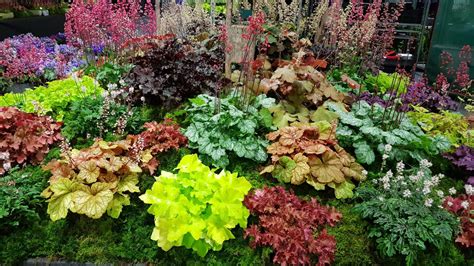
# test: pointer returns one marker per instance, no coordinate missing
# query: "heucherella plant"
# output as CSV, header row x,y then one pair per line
x,y
196,207
406,214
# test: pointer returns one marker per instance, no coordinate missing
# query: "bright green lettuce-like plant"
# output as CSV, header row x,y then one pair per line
x,y
196,207
367,130
219,130
453,126
54,99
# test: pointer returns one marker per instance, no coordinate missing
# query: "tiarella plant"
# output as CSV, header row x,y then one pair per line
x,y
368,128
185,70
99,178
292,227
25,137
463,207
406,213
454,126
196,207
55,98
94,116
310,153
220,131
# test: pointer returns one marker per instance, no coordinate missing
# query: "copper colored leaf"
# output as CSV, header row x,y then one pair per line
x,y
289,135
327,168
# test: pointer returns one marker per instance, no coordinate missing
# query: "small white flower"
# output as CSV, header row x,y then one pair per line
x,y
388,148
131,89
465,204
364,172
400,167
84,89
452,191
426,190
104,94
384,157
4,155
386,186
142,98
469,189
425,163
112,86
406,193
122,82
6,166
381,198
440,193
450,203
429,202
404,183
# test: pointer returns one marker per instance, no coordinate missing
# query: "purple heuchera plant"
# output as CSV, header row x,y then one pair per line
x,y
418,93
463,158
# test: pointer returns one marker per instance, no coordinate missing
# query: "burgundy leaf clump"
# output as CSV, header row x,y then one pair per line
x,y
175,70
294,228
463,207
25,137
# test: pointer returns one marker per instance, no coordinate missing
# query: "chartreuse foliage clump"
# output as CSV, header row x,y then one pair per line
x,y
367,129
196,207
220,130
310,153
55,98
454,126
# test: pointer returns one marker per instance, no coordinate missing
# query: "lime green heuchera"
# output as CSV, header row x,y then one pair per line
x,y
53,99
196,207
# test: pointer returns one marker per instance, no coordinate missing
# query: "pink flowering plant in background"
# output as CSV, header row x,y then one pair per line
x,y
455,79
99,22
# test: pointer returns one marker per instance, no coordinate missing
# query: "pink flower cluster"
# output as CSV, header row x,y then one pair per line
x,y
460,75
26,57
100,22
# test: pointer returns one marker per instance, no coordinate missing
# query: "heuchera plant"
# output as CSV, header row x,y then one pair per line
x,y
463,158
55,98
220,131
101,22
176,78
463,207
25,137
196,207
97,179
294,228
310,153
453,126
366,129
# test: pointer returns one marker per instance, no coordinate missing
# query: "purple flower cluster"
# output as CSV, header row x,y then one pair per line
x,y
463,158
25,57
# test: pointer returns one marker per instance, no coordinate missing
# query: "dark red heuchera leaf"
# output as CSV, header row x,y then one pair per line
x,y
294,228
25,137
455,206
